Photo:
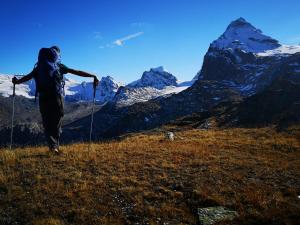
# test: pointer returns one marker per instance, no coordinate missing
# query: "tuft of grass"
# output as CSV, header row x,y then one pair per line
x,y
145,179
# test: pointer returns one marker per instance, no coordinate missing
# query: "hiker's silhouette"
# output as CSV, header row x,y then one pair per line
x,y
48,74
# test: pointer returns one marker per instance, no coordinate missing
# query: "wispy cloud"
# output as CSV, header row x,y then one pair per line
x,y
121,41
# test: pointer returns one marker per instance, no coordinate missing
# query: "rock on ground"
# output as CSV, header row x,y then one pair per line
x,y
212,215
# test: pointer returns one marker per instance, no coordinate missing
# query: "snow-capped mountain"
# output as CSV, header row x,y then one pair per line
x,y
157,82
243,36
246,60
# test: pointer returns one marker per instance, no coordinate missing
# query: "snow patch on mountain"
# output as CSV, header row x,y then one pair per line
x,y
131,95
281,51
243,36
6,87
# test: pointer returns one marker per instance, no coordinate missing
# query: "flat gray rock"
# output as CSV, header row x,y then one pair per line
x,y
212,215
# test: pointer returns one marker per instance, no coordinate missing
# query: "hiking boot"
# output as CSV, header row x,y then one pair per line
x,y
55,151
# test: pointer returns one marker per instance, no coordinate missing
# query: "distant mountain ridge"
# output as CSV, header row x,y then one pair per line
x,y
153,83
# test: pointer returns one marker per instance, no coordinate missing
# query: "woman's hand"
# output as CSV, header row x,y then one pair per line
x,y
15,80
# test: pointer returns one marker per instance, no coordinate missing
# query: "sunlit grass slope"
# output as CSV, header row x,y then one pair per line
x,y
145,179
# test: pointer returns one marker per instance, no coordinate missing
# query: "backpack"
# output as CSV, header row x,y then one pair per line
x,y
49,80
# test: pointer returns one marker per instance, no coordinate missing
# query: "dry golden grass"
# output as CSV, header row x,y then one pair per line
x,y
144,179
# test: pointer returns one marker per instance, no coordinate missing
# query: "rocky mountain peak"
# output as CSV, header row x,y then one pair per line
x,y
107,88
159,69
243,36
157,78
239,22
109,82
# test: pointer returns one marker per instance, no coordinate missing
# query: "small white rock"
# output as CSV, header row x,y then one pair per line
x,y
170,136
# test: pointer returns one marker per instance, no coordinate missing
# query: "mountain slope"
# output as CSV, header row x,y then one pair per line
x,y
278,105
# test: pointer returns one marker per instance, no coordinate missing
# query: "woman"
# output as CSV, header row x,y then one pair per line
x,y
48,74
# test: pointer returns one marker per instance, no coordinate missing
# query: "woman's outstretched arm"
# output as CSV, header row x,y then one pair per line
x,y
84,74
23,79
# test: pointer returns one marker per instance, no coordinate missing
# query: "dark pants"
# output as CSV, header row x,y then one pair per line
x,y
52,110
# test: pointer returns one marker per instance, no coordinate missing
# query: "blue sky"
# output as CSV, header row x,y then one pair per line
x,y
123,38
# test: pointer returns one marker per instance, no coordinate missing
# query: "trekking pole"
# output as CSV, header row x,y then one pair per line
x,y
12,117
92,117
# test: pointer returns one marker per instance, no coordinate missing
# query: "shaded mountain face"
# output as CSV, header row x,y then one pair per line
x,y
278,105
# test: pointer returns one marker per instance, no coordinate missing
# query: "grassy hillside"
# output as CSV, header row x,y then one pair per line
x,y
145,179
